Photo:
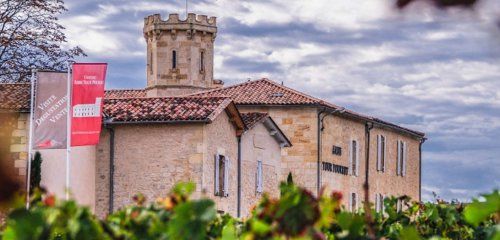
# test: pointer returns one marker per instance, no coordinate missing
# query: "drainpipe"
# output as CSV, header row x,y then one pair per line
x,y
366,186
321,127
420,168
238,208
368,127
111,168
318,182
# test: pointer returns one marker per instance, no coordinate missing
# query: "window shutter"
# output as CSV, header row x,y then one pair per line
x,y
226,177
379,153
351,155
357,159
356,200
350,202
216,174
405,156
385,154
259,177
398,161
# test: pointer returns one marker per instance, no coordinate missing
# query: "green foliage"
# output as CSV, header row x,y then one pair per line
x,y
36,171
297,214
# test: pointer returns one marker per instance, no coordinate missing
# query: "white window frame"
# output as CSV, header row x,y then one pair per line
x,y
259,182
351,158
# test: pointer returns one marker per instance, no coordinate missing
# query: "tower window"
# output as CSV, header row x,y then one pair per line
x,y
174,59
150,60
202,60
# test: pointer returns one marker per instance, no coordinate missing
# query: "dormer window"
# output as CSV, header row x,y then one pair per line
x,y
174,59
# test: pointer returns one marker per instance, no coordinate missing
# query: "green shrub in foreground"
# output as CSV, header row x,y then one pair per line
x,y
297,214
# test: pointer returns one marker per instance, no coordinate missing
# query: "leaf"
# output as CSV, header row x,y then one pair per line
x,y
476,212
229,231
409,233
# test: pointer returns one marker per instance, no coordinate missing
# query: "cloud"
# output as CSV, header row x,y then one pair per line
x,y
434,71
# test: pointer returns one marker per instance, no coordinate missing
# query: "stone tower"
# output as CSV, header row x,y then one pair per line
x,y
179,54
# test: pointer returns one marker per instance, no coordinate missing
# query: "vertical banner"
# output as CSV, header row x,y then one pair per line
x,y
86,103
50,112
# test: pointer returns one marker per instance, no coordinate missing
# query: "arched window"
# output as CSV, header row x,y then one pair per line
x,y
174,59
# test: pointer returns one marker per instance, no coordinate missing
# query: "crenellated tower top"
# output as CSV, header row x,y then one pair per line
x,y
180,54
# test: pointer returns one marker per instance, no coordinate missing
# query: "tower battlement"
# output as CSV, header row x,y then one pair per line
x,y
193,23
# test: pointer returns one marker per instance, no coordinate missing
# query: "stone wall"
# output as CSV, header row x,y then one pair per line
x,y
149,159
300,126
387,182
19,146
258,145
220,138
340,132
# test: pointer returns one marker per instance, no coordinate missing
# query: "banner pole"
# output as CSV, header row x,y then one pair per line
x,y
68,131
30,140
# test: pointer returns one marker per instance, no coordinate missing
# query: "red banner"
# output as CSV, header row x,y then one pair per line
x,y
86,103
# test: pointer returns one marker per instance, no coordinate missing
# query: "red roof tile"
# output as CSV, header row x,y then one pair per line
x,y
15,97
171,109
125,93
252,118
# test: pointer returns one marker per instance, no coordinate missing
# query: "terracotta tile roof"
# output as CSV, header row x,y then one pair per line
x,y
125,93
263,91
15,97
252,118
268,92
171,109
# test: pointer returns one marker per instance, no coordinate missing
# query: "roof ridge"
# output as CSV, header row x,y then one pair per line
x,y
172,97
126,89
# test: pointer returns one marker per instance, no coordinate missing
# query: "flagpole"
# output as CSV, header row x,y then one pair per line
x,y
68,131
30,140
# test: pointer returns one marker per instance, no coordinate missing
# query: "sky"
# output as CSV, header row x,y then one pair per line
x,y
430,70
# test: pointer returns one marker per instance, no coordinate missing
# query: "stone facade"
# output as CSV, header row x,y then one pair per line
x,y
300,125
179,54
258,146
150,159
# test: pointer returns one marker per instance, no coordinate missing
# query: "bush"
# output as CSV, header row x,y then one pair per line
x,y
297,214
36,171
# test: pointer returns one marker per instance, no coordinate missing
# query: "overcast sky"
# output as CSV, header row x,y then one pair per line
x,y
433,71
